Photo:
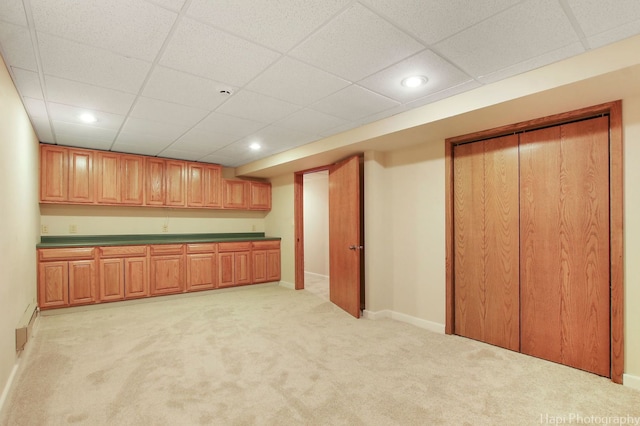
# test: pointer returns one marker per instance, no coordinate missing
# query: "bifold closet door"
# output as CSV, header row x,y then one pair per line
x,y
564,276
486,237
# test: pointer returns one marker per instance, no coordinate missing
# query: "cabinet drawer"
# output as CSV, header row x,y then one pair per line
x,y
201,248
66,253
123,251
266,245
241,246
167,249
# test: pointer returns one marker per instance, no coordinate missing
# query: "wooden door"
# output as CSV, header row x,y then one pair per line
x,y
136,277
259,261
345,235
195,185
260,196
201,271
54,173
53,284
82,280
486,214
242,266
226,265
175,183
213,186
273,265
154,182
81,187
132,172
111,279
565,301
108,177
235,194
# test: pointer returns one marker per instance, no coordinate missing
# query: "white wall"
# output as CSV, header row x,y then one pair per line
x,y
279,222
316,223
19,218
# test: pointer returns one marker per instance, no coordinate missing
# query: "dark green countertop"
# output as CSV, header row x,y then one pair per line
x,y
128,240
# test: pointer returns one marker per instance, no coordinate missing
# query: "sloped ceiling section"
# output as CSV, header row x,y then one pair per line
x,y
204,80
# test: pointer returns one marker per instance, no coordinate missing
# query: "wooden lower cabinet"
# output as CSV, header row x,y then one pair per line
x,y
84,275
202,266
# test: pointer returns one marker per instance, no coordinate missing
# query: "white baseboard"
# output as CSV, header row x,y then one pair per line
x,y
418,322
631,381
326,277
285,284
7,387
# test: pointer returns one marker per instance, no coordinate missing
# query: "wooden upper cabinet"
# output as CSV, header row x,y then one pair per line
x,y
54,173
235,194
260,196
154,182
132,172
204,186
81,187
108,176
66,175
175,186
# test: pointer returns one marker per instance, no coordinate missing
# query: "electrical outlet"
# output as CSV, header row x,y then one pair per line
x,y
44,229
73,229
253,227
165,228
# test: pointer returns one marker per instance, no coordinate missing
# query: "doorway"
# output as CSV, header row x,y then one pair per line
x,y
316,230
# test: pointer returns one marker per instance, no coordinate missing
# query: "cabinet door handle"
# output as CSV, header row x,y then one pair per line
x,y
356,247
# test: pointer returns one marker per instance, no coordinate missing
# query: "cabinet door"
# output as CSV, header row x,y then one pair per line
x,y
242,267
201,271
82,280
273,265
136,277
260,196
154,182
195,185
54,173
259,260
175,183
226,265
213,186
81,188
235,194
111,279
53,284
132,172
167,274
108,177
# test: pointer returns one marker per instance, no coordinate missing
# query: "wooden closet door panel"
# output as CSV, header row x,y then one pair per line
x,y
469,288
501,300
565,244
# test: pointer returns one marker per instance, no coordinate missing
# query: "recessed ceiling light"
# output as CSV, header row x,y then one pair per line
x,y
255,146
87,117
415,81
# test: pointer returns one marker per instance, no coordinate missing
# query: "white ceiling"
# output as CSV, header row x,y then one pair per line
x,y
298,70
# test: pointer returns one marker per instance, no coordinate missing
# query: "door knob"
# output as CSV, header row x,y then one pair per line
x,y
356,247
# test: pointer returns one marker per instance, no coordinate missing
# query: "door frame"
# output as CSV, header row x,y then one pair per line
x,y
298,218
616,191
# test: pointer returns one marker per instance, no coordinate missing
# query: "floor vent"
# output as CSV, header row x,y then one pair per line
x,y
25,326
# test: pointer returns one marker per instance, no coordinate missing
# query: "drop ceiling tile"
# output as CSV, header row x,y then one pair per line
x,y
356,44
384,114
344,128
615,34
186,89
441,75
205,51
354,103
180,155
17,49
71,114
78,131
233,126
74,61
311,121
28,83
451,91
217,159
151,150
159,130
12,11
295,82
35,108
434,20
200,141
156,110
273,139
134,28
510,37
539,61
257,107
174,5
595,17
43,129
277,24
94,98
81,141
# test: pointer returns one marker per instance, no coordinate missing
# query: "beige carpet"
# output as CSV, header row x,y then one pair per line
x,y
274,356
